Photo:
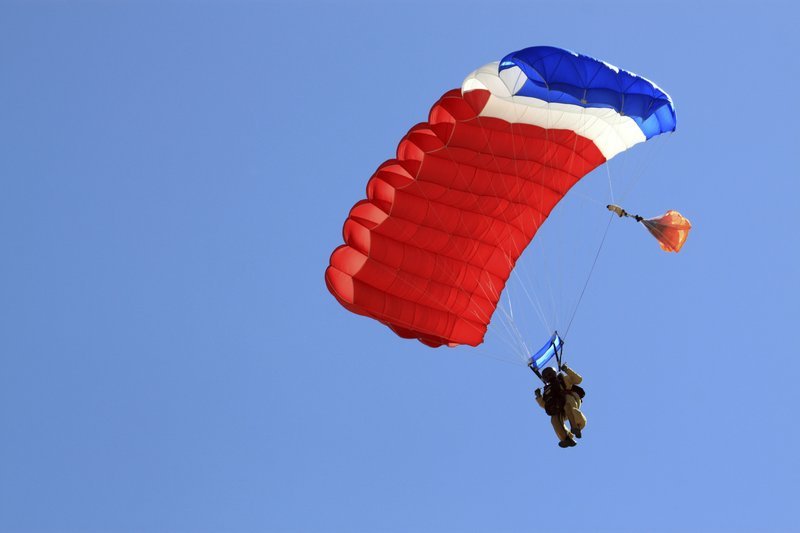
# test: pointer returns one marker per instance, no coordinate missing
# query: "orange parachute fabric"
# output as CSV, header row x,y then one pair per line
x,y
670,229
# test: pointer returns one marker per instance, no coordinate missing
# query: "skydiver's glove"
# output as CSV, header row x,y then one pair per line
x,y
538,393
564,367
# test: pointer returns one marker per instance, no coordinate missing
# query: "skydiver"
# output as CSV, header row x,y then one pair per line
x,y
562,401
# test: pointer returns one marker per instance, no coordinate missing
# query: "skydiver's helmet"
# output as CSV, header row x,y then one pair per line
x,y
549,374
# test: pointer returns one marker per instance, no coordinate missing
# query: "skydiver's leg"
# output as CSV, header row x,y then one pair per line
x,y
560,428
577,420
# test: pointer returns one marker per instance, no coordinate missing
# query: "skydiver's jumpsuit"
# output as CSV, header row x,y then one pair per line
x,y
572,404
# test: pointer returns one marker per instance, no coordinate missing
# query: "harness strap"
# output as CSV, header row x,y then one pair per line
x,y
558,353
535,371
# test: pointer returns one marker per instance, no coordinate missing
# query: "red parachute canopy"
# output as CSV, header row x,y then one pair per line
x,y
671,230
430,250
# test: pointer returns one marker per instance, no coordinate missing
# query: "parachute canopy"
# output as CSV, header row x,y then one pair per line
x,y
430,249
671,230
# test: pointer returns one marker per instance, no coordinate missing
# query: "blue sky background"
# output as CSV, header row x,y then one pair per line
x,y
173,178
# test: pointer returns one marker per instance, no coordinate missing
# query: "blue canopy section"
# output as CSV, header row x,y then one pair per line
x,y
540,358
561,76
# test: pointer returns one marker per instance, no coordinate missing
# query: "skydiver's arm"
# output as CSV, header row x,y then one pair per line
x,y
539,398
572,377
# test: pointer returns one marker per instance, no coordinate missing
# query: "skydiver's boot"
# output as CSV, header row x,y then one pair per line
x,y
577,433
567,443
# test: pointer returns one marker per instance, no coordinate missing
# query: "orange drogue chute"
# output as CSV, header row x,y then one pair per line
x,y
670,229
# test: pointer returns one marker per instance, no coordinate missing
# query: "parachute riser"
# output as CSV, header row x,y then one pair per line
x,y
558,349
536,371
559,352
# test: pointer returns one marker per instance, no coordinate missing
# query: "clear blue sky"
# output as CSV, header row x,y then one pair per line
x,y
173,178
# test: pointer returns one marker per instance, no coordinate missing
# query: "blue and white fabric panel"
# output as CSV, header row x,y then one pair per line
x,y
561,76
546,352
558,89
